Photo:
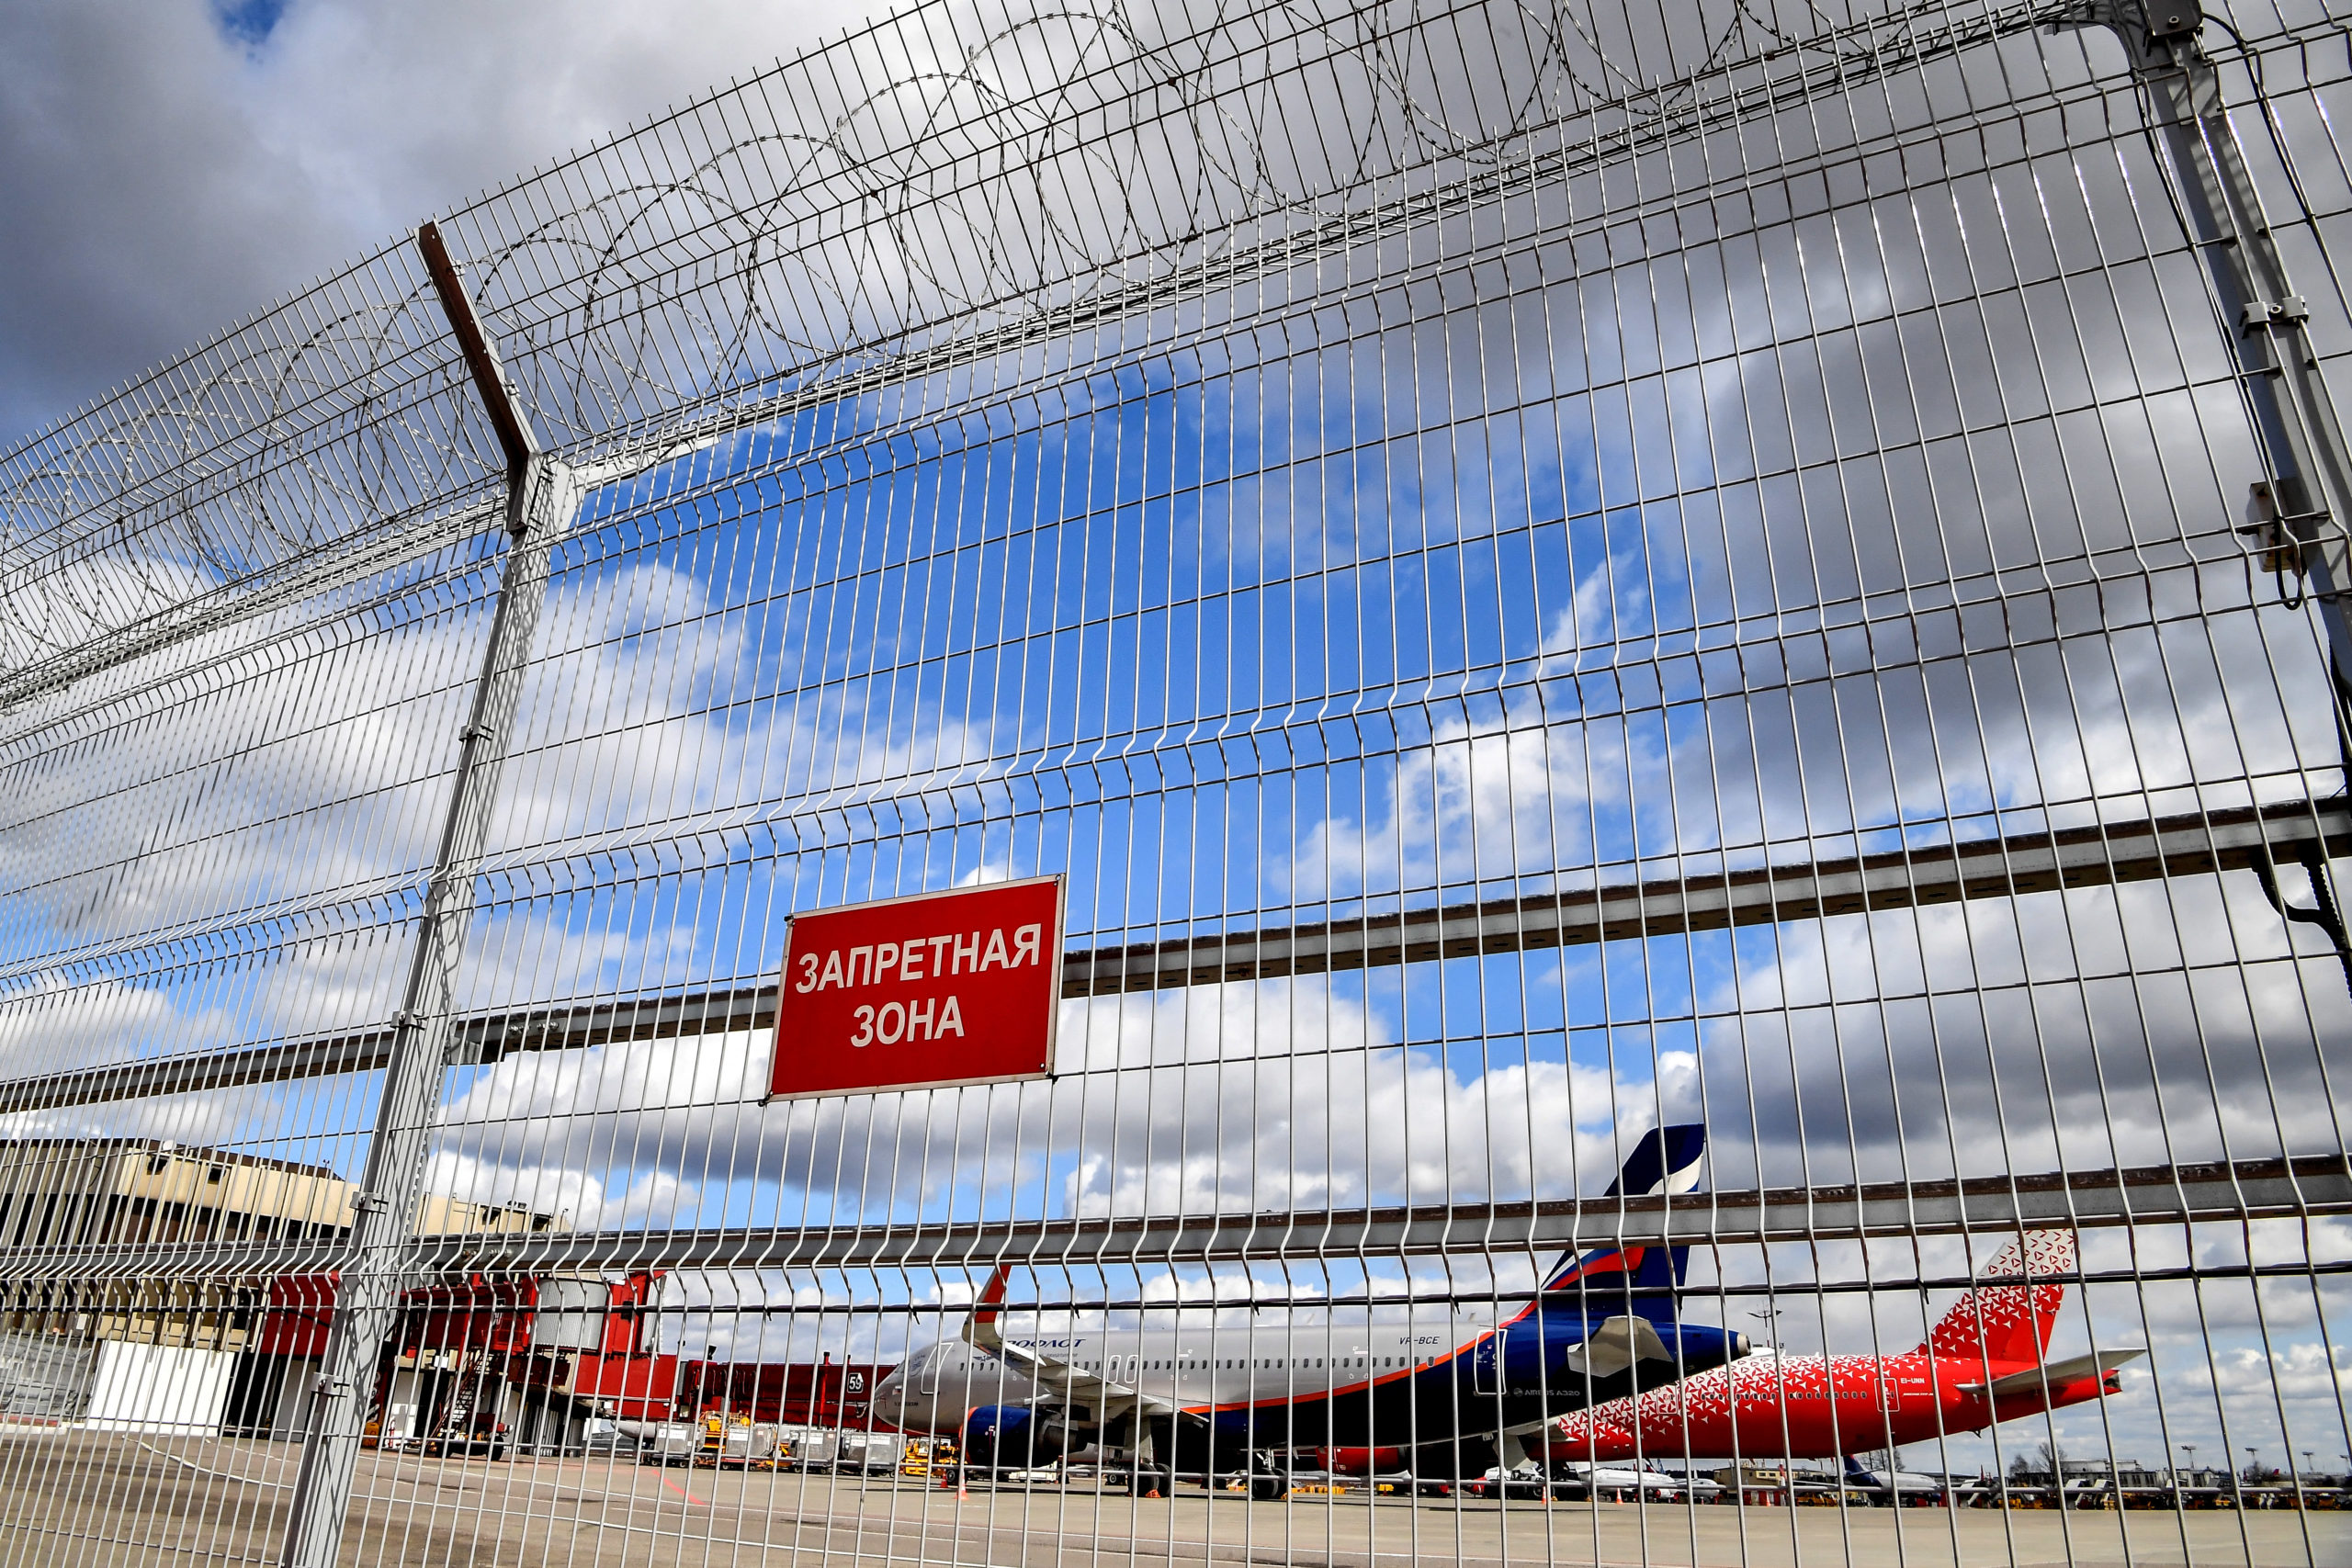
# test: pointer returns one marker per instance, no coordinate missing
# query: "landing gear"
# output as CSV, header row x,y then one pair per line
x,y
1268,1482
1155,1444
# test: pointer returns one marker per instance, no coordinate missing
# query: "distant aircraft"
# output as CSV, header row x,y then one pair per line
x,y
1200,1399
1895,1484
1982,1365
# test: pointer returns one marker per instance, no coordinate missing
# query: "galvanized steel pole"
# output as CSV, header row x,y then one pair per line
x,y
2299,517
540,495
2302,511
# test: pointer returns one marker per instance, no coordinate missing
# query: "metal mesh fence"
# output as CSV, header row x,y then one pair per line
x,y
1682,668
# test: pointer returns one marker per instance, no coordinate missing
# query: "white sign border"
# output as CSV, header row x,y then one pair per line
x,y
1053,1013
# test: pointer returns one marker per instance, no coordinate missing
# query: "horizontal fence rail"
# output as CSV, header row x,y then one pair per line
x,y
2106,854
2308,1187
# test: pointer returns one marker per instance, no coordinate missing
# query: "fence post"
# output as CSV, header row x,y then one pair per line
x,y
541,493
2297,517
2300,514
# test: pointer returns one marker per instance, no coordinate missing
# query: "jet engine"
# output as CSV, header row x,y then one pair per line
x,y
1013,1436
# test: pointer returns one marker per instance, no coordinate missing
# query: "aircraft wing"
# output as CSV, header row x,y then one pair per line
x,y
1071,1385
2053,1376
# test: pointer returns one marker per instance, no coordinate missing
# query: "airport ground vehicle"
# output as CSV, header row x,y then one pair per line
x,y
832,1448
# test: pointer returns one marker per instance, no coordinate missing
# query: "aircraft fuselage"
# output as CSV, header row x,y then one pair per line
x,y
1277,1385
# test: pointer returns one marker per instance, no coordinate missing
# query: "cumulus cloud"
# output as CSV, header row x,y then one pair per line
x,y
304,797
1491,799
169,174
1239,1098
1987,1037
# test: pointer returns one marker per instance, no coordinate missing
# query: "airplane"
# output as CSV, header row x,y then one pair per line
x,y
1448,1396
1585,1481
1893,1484
1982,1365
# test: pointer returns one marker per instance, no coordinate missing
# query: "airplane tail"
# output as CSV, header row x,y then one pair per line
x,y
1666,1160
2010,1323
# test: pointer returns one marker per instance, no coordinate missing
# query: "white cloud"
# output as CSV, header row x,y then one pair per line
x,y
321,780
2305,1369
1239,1097
164,179
1495,798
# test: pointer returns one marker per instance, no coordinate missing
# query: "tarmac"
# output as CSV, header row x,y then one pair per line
x,y
123,1498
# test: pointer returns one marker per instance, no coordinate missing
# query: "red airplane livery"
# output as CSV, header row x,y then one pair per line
x,y
1982,1365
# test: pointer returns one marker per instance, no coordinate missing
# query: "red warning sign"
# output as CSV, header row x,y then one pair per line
x,y
960,987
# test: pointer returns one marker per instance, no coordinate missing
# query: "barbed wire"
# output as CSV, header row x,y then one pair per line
x,y
920,197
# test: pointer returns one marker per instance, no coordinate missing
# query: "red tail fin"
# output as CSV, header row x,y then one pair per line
x,y
2010,1323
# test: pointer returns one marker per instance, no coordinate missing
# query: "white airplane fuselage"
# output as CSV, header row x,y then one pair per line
x,y
1203,1370
1603,1323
